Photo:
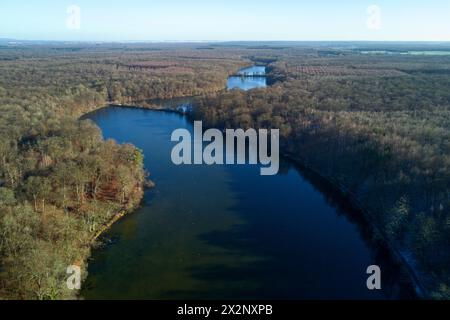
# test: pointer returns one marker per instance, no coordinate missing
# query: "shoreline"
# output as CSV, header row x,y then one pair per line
x,y
124,211
394,251
146,185
407,264
397,254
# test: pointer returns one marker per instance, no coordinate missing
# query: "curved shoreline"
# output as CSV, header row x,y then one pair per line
x,y
395,252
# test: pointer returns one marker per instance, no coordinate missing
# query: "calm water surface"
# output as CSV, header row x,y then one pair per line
x,y
249,78
227,232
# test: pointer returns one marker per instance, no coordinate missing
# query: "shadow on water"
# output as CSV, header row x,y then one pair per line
x,y
285,267
227,232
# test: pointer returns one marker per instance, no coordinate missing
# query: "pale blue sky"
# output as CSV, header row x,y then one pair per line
x,y
116,20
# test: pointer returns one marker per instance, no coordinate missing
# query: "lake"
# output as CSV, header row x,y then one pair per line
x,y
248,78
211,232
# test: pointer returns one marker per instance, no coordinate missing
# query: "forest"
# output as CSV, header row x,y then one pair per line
x,y
376,126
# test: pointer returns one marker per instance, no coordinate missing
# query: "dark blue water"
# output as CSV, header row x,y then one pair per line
x,y
227,232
